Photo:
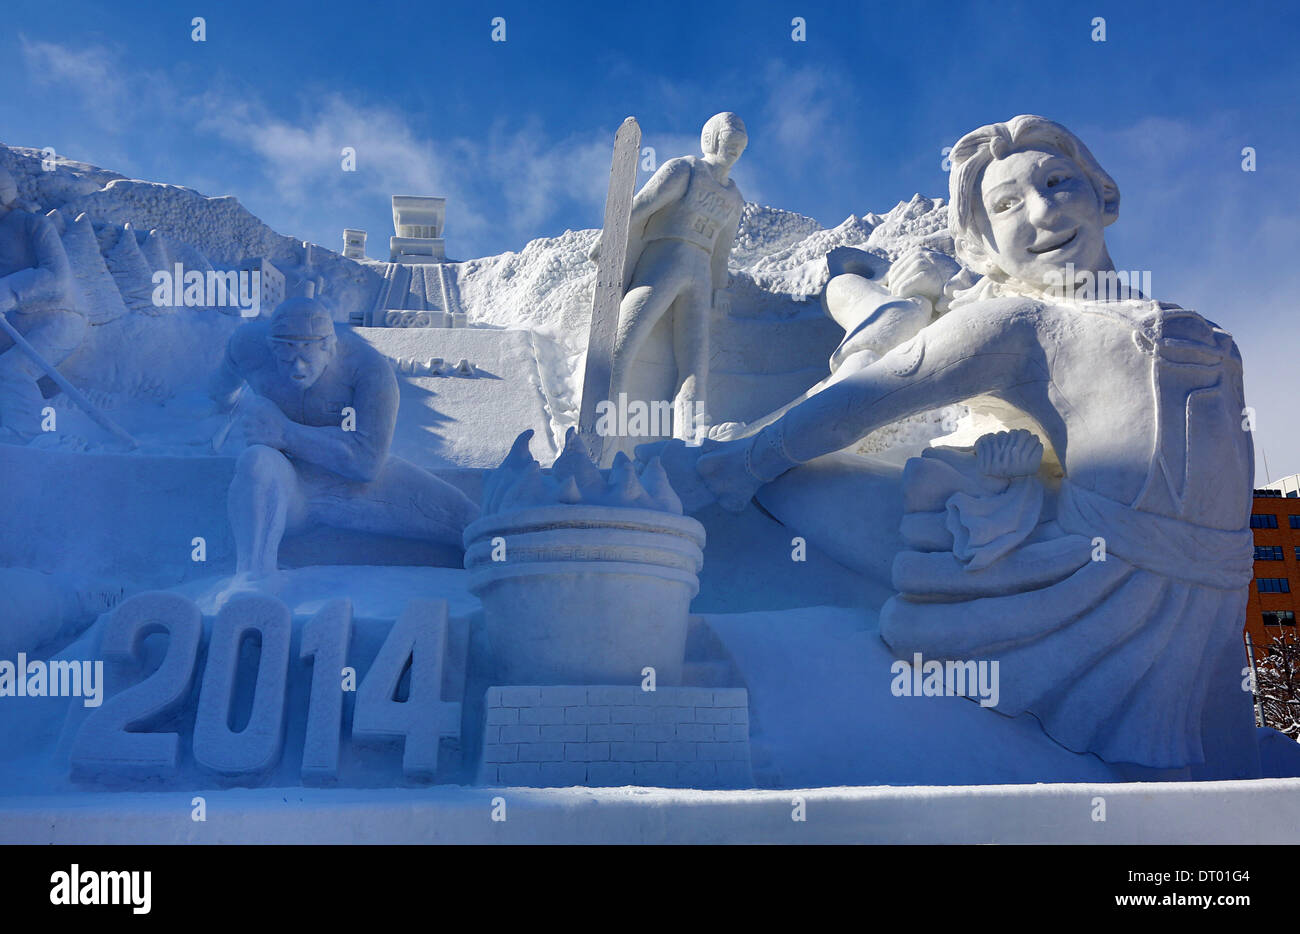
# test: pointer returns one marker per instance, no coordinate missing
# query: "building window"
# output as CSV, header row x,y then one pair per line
x,y
1268,552
1273,585
1295,522
1266,520
1297,552
1279,618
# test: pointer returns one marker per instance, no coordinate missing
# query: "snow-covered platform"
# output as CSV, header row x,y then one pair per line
x,y
1261,811
456,420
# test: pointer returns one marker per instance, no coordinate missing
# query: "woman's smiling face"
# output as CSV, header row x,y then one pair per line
x,y
1042,212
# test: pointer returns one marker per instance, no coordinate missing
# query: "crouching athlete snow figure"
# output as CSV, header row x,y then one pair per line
x,y
318,409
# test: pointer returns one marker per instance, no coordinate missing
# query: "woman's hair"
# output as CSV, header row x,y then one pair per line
x,y
972,155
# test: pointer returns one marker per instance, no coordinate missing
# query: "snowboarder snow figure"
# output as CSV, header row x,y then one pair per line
x,y
318,410
36,298
682,227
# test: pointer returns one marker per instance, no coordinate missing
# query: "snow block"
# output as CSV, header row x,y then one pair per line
x,y
696,741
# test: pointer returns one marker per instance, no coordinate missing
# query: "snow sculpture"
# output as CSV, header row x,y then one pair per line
x,y
103,744
101,301
133,274
683,224
586,576
37,607
417,222
354,243
879,305
36,285
317,410
880,311
256,747
1110,593
418,640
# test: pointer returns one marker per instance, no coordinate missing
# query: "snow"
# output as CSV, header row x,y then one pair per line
x,y
1263,811
827,730
1279,754
573,479
776,268
545,289
842,726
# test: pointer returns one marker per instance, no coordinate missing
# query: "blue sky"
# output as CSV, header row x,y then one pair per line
x,y
517,134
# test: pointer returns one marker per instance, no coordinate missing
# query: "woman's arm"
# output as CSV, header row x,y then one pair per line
x,y
983,348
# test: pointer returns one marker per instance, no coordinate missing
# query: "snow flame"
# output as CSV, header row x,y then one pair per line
x,y
520,482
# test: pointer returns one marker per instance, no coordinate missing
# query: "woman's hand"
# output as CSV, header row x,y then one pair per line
x,y
921,272
714,471
725,471
1009,454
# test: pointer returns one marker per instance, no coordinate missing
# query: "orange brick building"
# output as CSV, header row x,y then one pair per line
x,y
1274,602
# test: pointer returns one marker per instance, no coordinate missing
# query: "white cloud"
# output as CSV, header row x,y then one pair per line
x,y
511,185
91,72
799,112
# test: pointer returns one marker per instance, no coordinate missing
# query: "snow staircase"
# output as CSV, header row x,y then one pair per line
x,y
421,295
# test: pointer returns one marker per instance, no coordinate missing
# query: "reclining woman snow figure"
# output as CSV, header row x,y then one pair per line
x,y
1110,589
